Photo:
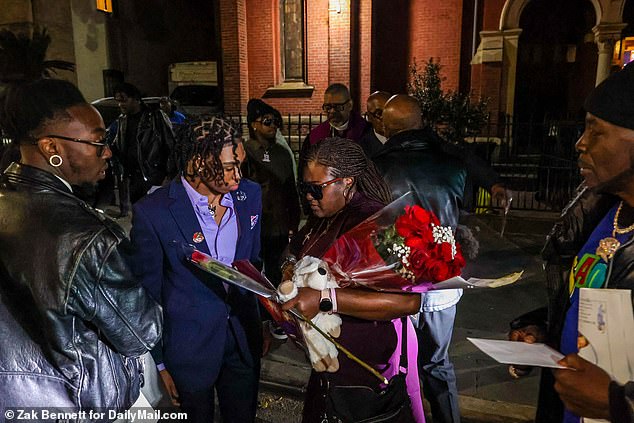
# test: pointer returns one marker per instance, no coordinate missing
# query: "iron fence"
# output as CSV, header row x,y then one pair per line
x,y
535,159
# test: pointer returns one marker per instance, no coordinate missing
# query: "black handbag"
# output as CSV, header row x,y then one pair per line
x,y
362,404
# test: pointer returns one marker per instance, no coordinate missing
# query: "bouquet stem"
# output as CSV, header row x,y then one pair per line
x,y
340,347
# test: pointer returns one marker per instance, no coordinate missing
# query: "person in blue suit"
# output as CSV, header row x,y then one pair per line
x,y
213,334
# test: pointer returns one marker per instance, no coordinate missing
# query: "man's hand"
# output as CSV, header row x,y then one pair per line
x,y
529,334
306,302
502,195
170,386
584,390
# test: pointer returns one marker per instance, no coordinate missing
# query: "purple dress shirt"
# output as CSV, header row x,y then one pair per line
x,y
221,239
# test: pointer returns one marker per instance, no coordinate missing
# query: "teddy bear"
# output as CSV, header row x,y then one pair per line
x,y
314,273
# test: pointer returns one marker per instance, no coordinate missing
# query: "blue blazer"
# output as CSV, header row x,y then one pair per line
x,y
197,309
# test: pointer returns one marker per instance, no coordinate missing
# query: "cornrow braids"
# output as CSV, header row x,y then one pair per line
x,y
346,158
202,140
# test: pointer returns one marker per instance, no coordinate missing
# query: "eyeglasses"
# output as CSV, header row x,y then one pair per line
x,y
377,114
315,190
334,106
269,122
100,145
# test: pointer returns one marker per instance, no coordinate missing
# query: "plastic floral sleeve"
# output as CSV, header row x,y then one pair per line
x,y
401,248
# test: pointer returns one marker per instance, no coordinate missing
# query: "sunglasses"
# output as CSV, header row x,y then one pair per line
x,y
334,106
100,145
269,122
315,190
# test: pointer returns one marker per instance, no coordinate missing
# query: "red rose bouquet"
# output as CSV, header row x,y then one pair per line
x,y
402,247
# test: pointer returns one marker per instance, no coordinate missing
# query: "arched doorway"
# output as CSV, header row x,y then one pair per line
x,y
556,61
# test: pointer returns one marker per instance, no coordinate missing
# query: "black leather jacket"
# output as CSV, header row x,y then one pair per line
x,y
569,234
413,160
578,220
155,141
73,320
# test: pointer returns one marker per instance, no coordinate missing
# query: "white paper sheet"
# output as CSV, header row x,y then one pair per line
x,y
606,324
459,282
520,353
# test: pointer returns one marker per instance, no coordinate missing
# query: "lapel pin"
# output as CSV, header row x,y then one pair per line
x,y
198,237
241,196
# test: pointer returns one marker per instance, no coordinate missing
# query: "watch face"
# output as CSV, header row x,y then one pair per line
x,y
325,305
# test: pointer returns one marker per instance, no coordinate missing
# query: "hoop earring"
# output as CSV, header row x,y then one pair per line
x,y
55,157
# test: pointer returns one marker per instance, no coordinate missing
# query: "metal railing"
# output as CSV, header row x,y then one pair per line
x,y
535,159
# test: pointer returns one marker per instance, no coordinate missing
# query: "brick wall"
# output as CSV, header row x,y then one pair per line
x,y
365,50
233,39
263,46
491,14
486,82
339,44
435,31
486,78
264,65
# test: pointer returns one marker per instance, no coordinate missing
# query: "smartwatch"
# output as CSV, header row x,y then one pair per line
x,y
325,302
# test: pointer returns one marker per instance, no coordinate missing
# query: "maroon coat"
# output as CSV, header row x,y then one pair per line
x,y
372,341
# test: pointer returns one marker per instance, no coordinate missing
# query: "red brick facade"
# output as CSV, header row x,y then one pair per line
x,y
435,29
235,62
251,62
341,45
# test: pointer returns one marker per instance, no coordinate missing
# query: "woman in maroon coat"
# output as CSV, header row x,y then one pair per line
x,y
343,188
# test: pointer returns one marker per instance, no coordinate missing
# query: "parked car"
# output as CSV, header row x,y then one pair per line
x,y
198,99
110,111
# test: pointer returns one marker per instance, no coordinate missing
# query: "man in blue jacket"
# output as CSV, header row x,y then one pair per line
x,y
212,338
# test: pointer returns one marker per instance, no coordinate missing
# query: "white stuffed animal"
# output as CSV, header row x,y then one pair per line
x,y
314,273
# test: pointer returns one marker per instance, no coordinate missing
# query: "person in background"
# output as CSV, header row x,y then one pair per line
x,y
374,139
74,320
342,121
213,341
142,144
413,159
168,106
590,246
271,165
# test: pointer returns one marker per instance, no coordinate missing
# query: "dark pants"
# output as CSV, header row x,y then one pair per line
x,y
436,371
236,387
271,251
132,188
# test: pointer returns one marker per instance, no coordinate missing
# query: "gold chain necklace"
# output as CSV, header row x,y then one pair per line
x,y
618,230
608,246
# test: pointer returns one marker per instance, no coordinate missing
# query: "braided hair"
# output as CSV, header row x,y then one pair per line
x,y
346,158
202,140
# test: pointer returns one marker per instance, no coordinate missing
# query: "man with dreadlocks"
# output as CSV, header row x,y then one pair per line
x,y
343,188
74,320
212,340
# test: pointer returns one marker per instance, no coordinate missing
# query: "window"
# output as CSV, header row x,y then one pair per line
x,y
292,40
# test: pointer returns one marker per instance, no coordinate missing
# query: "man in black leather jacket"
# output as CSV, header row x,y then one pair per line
x,y
413,160
73,319
591,246
143,143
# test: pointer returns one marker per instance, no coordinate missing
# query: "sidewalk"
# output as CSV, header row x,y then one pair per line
x,y
487,392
